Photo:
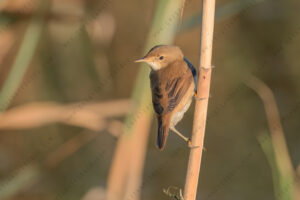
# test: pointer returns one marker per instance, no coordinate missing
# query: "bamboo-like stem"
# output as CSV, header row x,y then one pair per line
x,y
204,77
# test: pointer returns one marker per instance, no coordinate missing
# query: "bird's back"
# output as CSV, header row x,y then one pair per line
x,y
169,86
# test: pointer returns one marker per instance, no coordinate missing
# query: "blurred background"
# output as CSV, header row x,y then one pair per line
x,y
76,116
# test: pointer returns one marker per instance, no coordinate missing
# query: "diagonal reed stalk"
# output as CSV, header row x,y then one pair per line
x,y
23,57
125,177
203,88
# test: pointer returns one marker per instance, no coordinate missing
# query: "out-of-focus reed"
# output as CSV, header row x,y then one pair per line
x,y
274,144
125,178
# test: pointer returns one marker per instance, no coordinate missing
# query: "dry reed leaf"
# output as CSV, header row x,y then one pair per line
x,y
86,115
109,108
20,6
32,115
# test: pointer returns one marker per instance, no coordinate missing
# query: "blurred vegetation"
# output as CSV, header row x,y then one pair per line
x,y
78,55
124,182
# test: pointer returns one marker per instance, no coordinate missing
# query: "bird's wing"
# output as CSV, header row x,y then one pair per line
x,y
168,93
193,70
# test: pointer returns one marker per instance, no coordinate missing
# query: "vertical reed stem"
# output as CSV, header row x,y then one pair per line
x,y
194,163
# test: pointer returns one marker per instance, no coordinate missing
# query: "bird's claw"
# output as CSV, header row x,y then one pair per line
x,y
190,144
193,147
200,98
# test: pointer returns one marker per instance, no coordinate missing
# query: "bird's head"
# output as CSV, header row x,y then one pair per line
x,y
161,56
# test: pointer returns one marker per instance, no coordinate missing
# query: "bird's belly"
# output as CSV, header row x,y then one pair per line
x,y
185,104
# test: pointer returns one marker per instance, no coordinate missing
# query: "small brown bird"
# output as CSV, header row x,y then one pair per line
x,y
173,84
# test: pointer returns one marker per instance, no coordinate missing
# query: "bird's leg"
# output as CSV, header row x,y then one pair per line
x,y
180,135
188,140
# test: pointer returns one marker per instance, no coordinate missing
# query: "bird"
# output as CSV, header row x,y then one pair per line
x,y
173,81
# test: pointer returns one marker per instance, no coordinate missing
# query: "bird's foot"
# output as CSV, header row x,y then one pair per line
x,y
207,68
200,98
190,144
193,147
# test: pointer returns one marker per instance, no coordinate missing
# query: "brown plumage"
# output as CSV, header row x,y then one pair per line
x,y
172,86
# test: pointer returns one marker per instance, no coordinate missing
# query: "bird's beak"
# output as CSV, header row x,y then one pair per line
x,y
140,60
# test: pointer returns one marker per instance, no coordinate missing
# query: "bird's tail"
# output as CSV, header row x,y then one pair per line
x,y
162,133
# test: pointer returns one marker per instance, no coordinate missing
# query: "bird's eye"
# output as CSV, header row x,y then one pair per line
x,y
161,57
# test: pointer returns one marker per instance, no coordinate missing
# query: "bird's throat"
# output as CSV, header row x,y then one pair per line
x,y
155,66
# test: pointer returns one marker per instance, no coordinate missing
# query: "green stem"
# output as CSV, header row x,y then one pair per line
x,y
22,61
